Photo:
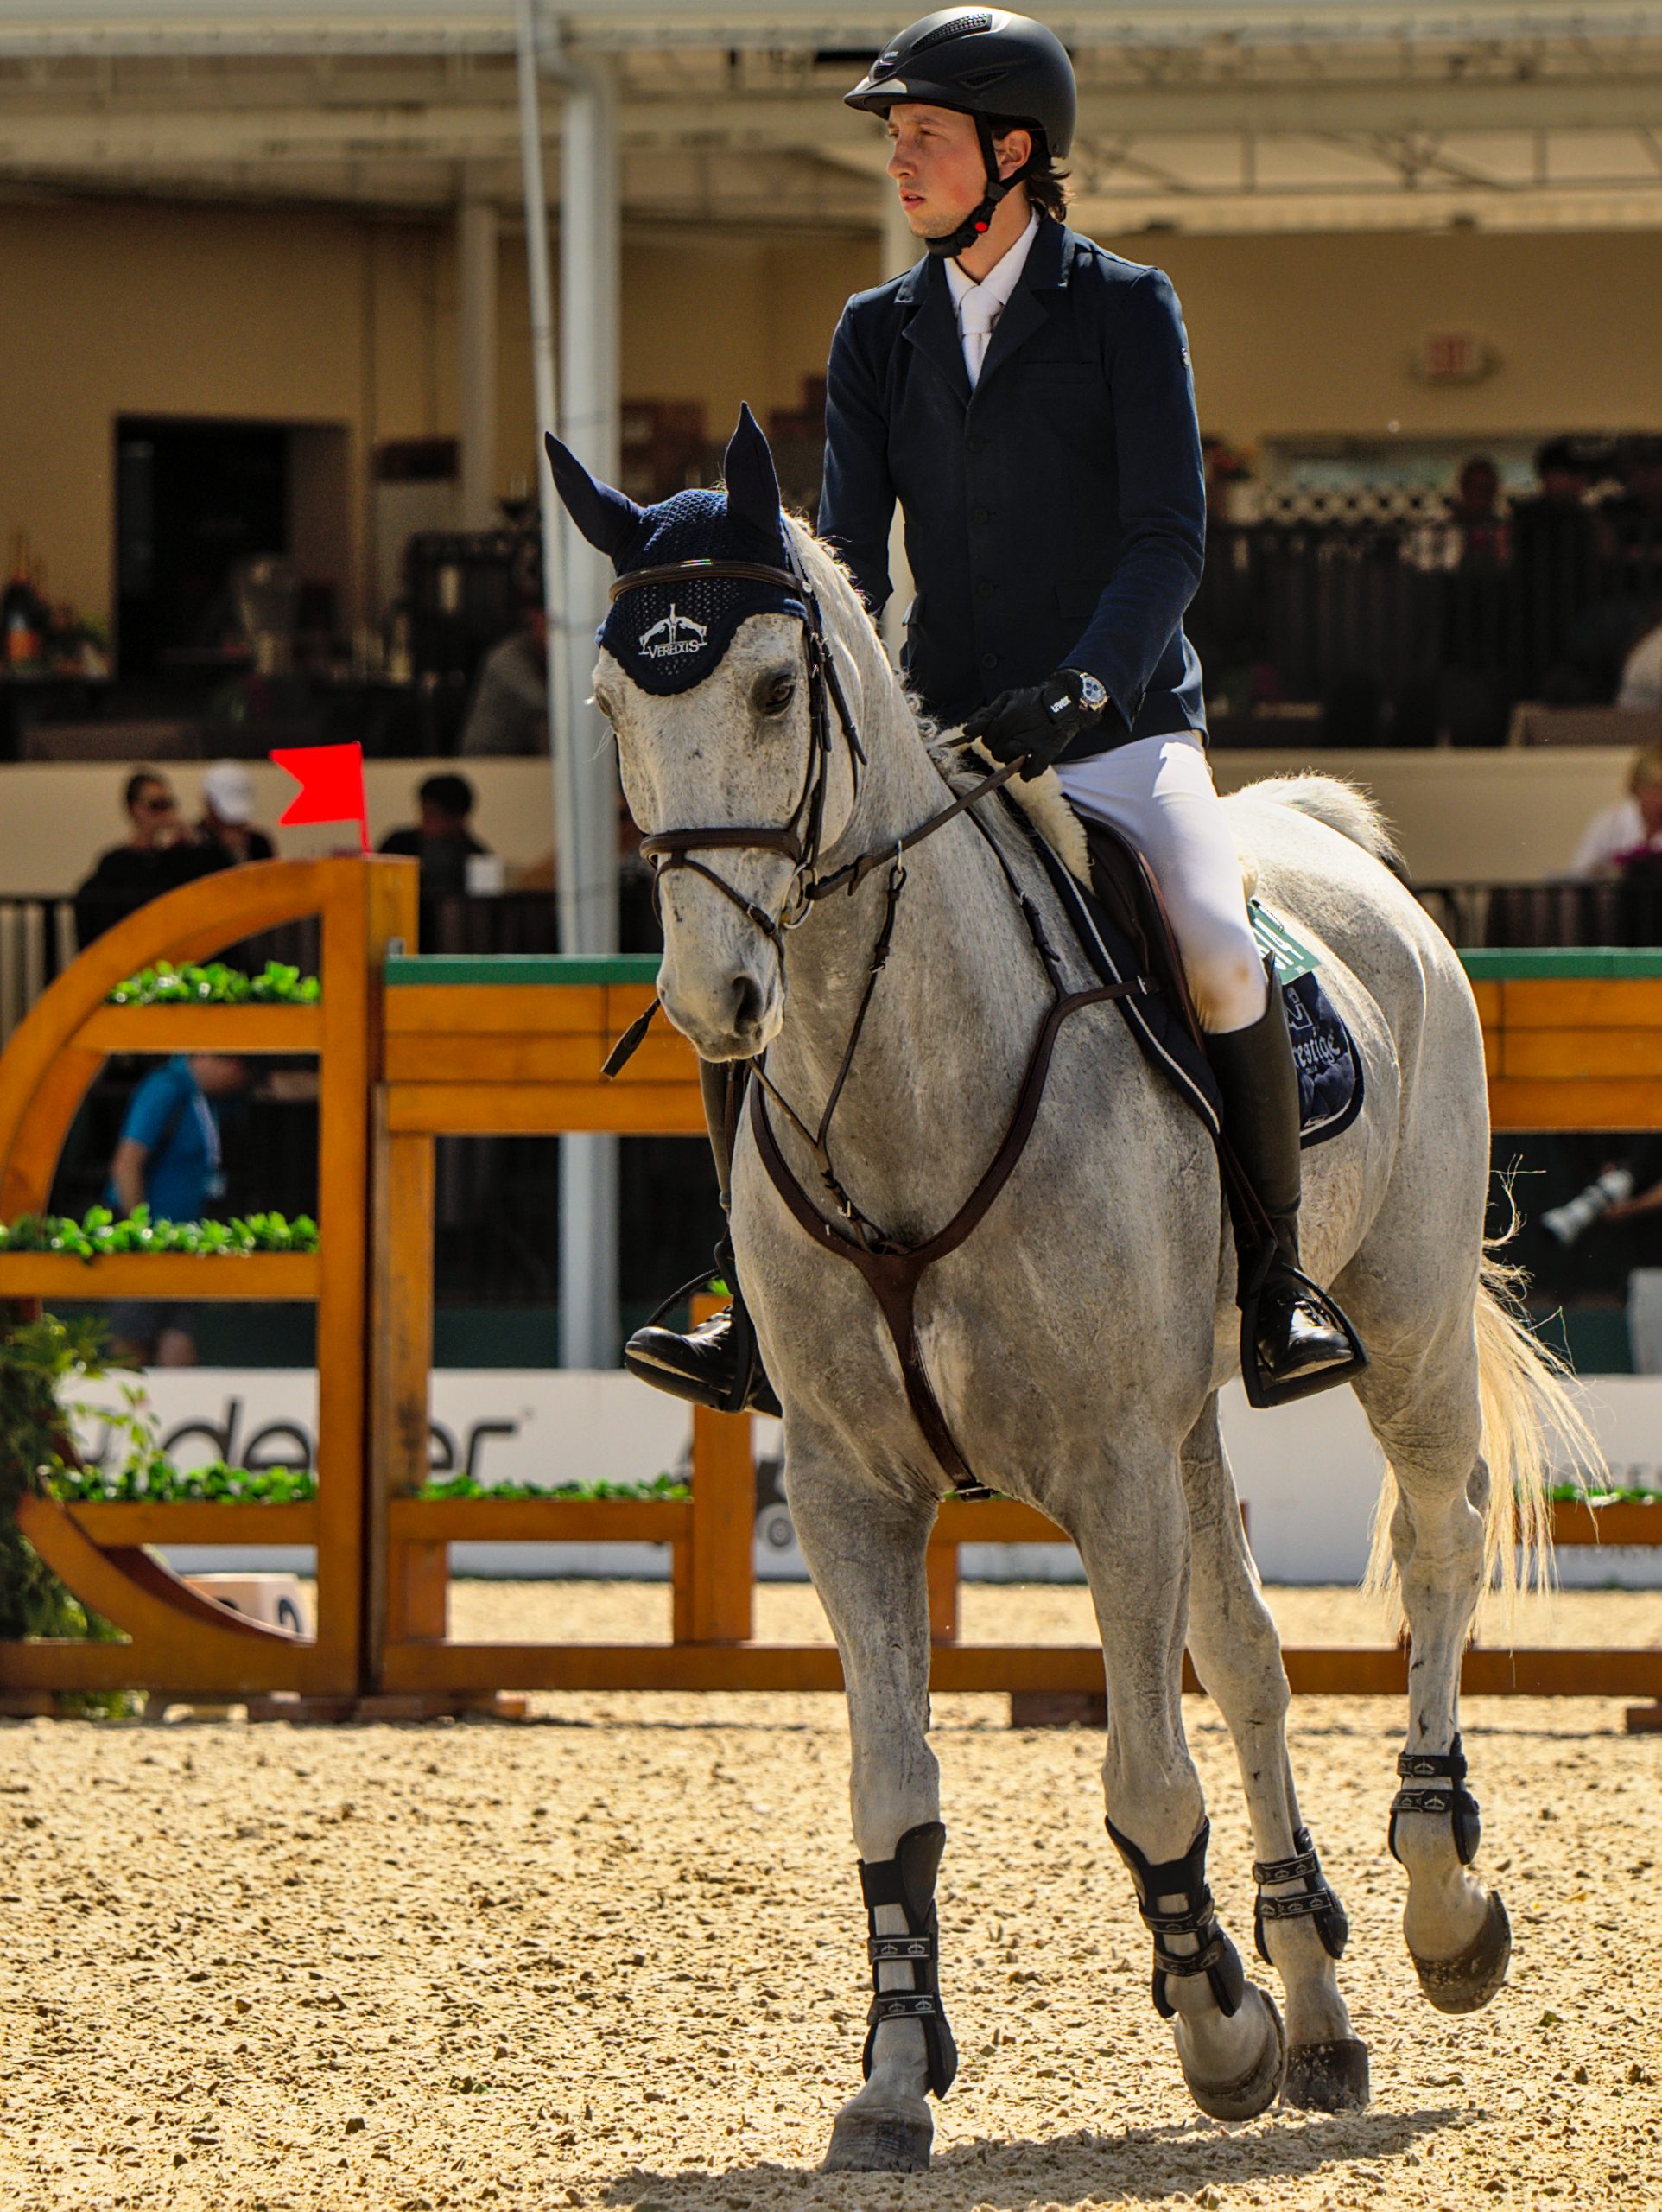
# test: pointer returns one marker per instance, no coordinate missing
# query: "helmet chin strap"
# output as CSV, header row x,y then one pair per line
x,y
979,221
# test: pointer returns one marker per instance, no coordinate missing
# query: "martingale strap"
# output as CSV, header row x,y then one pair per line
x,y
1435,1783
1215,1955
1315,1902
908,1880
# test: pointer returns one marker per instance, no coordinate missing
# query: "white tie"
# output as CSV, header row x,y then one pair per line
x,y
978,312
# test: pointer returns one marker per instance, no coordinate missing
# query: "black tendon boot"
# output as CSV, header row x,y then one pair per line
x,y
1294,1338
718,1363
908,1880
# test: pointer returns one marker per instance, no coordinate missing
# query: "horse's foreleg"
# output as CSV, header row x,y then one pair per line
x,y
1237,1653
1128,1522
865,1549
1427,1424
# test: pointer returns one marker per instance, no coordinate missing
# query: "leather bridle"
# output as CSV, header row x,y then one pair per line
x,y
799,840
892,1272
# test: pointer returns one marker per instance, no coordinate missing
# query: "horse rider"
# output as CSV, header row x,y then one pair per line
x,y
1026,397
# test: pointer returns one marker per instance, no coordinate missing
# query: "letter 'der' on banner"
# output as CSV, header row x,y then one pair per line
x,y
331,779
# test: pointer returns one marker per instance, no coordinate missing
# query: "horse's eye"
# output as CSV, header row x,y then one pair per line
x,y
778,694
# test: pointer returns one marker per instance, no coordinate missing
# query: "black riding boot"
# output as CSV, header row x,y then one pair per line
x,y
718,1363
1294,1338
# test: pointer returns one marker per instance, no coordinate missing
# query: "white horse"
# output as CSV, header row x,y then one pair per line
x,y
1074,1342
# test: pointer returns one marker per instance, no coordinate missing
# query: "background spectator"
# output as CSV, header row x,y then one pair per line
x,y
1640,688
169,1158
509,710
442,841
1475,510
157,856
1631,830
228,814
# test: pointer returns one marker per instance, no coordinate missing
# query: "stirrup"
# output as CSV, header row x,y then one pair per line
x,y
1264,1391
751,1387
908,1880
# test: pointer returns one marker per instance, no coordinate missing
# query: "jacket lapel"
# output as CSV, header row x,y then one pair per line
x,y
1045,269
933,328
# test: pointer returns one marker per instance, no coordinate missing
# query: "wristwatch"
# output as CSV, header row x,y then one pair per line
x,y
1093,693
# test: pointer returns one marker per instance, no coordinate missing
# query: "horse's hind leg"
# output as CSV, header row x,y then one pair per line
x,y
865,1548
1237,1653
1423,1405
1128,1519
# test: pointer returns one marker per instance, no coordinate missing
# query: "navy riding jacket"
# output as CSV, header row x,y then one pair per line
x,y
1055,517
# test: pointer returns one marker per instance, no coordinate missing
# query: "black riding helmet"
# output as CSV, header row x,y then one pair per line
x,y
991,66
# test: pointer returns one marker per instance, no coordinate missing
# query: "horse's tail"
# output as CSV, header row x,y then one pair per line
x,y
1531,1425
1344,806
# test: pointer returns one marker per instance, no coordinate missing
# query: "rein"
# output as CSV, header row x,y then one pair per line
x,y
892,1272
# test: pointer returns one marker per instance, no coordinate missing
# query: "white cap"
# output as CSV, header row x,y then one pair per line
x,y
229,790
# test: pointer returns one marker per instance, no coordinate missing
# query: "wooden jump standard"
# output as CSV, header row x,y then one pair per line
x,y
1574,1041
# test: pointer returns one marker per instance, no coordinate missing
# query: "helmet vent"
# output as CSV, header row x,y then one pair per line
x,y
983,81
959,26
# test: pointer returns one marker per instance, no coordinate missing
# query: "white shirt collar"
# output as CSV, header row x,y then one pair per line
x,y
1000,280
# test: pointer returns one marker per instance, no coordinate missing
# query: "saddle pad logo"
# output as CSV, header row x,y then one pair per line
x,y
675,633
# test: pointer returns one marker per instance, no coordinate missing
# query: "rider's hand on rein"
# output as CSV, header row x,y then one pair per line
x,y
1035,724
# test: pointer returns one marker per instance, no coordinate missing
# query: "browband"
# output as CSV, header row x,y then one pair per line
x,y
755,572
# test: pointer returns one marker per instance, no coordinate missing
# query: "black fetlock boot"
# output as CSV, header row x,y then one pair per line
x,y
1295,1339
718,1363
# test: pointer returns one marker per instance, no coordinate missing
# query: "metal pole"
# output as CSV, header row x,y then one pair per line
x,y
590,283
589,1279
476,261
542,385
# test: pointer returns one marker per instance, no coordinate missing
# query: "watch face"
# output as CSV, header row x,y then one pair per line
x,y
1093,693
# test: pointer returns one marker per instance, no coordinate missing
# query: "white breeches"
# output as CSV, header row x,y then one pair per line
x,y
1158,791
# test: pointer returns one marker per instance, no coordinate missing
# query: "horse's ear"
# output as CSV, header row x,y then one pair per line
x,y
607,519
752,486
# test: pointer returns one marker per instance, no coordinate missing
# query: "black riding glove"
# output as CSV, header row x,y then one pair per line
x,y
1036,723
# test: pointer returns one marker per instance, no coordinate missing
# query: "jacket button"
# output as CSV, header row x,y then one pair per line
x,y
980,514
989,660
976,445
985,590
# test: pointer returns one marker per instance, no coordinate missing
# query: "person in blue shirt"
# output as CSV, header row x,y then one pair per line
x,y
168,1158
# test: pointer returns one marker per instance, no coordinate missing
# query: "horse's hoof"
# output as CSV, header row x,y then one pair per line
x,y
1327,2077
1466,1982
1255,2090
889,2137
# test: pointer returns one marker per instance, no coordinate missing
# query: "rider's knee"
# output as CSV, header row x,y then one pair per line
x,y
1228,985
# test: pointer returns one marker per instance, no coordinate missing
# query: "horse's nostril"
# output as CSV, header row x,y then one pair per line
x,y
746,1003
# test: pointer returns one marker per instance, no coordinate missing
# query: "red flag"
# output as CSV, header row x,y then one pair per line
x,y
331,779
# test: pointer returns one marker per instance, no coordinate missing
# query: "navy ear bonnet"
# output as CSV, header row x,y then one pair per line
x,y
670,635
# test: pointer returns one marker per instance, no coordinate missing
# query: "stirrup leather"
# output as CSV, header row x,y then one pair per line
x,y
908,1880
1316,1902
1215,1956
1264,1390
1435,1783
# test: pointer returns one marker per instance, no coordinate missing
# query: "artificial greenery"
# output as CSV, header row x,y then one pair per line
x,y
672,1487
99,1235
216,985
38,1360
151,1478
1573,1494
